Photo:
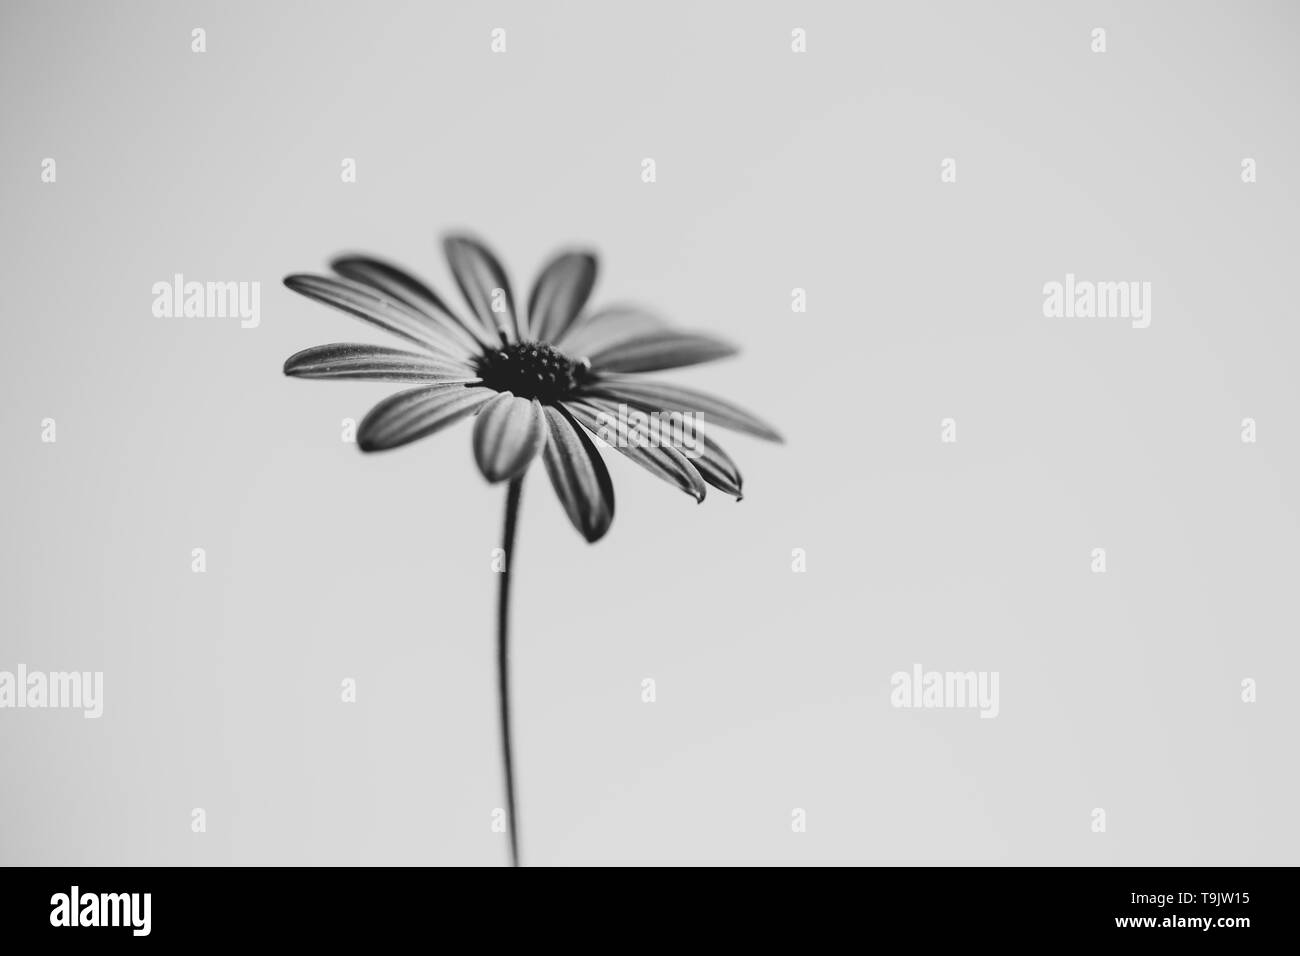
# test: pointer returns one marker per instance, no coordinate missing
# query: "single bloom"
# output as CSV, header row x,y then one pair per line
x,y
537,381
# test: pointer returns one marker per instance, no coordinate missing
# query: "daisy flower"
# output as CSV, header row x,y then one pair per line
x,y
536,382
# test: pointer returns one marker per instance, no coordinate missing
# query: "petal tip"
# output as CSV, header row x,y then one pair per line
x,y
457,240
346,259
596,529
293,364
490,474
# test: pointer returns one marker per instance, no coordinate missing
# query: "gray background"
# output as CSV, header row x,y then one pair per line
x,y
775,171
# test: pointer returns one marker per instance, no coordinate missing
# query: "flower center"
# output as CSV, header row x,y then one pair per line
x,y
530,370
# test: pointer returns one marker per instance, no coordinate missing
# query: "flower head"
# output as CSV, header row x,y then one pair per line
x,y
536,382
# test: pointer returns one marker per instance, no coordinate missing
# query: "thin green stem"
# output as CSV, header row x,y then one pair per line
x,y
513,493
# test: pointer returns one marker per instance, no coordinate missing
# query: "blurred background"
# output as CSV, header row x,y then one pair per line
x,y
775,171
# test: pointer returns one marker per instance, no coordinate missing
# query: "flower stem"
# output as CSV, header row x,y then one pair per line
x,y
513,493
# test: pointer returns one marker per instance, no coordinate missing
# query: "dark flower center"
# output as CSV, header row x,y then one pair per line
x,y
530,370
